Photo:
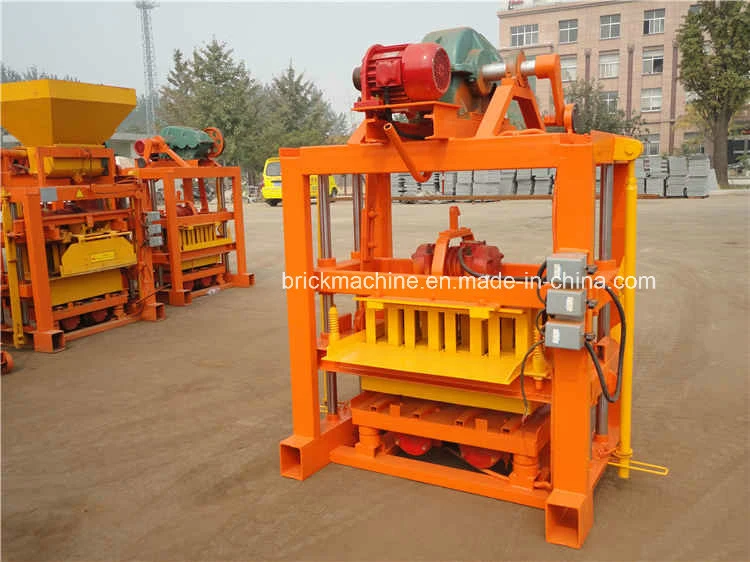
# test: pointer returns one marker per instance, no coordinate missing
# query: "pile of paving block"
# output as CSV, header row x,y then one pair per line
x,y
477,183
656,176
675,176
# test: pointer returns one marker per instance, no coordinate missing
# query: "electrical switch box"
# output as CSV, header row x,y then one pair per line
x,y
155,241
566,270
567,303
564,335
153,229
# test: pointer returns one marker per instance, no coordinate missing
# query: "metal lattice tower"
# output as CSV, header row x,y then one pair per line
x,y
149,61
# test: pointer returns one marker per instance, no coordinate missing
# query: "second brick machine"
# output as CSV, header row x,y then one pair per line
x,y
192,257
88,246
520,372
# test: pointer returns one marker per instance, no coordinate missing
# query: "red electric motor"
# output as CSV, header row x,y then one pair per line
x,y
402,73
478,257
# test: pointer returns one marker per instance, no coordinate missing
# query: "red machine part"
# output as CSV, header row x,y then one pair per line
x,y
70,324
403,73
478,257
185,210
6,362
481,458
97,316
413,444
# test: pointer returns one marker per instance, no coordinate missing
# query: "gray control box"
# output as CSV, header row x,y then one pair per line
x,y
152,216
155,241
566,270
153,229
564,335
568,303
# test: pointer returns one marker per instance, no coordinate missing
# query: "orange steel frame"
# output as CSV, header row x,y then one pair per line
x,y
33,227
177,172
569,463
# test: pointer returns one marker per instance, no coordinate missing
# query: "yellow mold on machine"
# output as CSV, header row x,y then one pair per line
x,y
97,253
64,290
475,343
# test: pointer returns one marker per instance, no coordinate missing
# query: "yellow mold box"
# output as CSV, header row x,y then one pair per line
x,y
88,255
462,341
81,287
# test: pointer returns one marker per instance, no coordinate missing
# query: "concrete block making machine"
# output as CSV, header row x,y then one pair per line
x,y
520,372
76,254
192,257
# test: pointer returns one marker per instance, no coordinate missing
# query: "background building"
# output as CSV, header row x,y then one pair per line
x,y
627,45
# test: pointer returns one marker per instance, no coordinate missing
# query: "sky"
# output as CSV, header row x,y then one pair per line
x,y
100,41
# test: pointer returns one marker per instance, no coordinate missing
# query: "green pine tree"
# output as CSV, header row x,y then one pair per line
x,y
297,114
714,44
212,89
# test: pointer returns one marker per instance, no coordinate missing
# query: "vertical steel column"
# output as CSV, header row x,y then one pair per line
x,y
326,251
357,205
221,205
152,194
357,208
605,253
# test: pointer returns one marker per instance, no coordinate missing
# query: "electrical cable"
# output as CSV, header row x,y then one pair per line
x,y
599,373
523,368
614,397
539,273
543,315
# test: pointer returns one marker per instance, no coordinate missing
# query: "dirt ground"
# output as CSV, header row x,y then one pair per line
x,y
159,441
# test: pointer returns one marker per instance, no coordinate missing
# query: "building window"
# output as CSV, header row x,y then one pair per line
x,y
609,65
568,31
653,60
521,35
694,8
609,26
651,99
650,145
568,68
653,21
609,101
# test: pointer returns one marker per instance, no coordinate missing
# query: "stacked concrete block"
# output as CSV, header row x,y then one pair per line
x,y
486,182
524,182
657,172
670,177
699,172
398,185
640,174
464,181
450,180
676,184
542,179
507,182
